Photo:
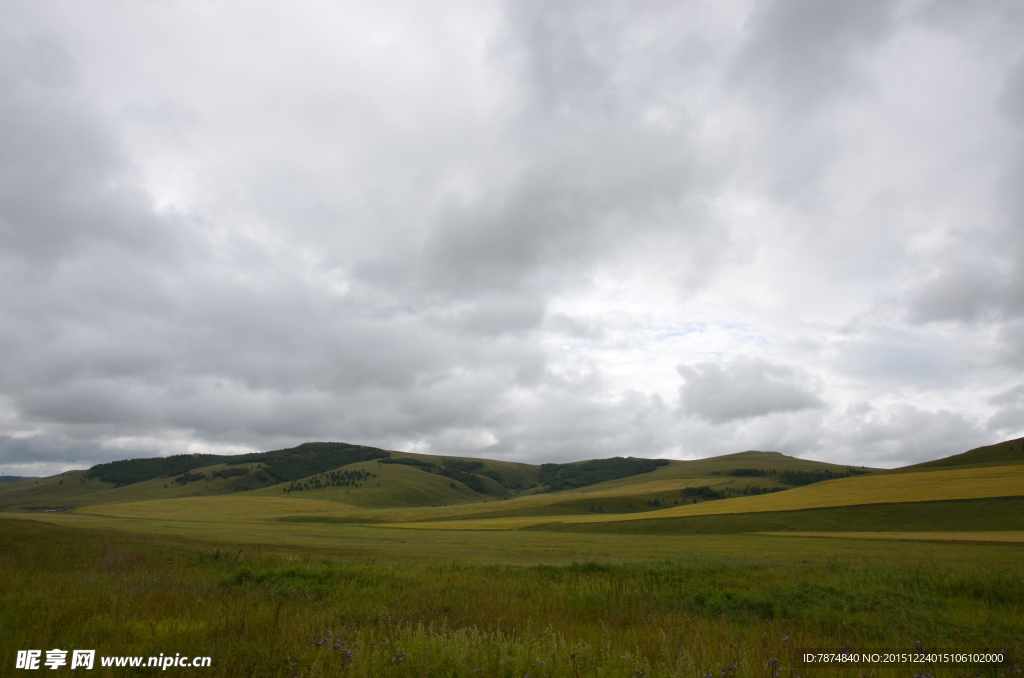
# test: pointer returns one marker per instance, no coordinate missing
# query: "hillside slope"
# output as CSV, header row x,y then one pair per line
x,y
1006,453
375,486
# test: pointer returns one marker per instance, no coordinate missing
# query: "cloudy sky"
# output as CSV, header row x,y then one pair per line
x,y
521,230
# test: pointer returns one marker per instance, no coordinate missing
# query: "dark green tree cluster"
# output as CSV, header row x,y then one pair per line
x,y
793,478
757,489
313,458
407,461
337,478
703,492
129,471
230,472
570,476
798,478
464,465
188,477
470,480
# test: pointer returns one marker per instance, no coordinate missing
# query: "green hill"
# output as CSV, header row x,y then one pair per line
x,y
279,465
65,489
309,470
1001,454
371,478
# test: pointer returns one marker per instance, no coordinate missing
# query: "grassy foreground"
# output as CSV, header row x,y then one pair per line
x,y
725,605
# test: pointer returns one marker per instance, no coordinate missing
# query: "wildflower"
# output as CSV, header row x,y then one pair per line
x,y
398,658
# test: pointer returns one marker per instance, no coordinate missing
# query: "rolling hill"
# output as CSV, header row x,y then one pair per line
x,y
371,477
339,483
1006,453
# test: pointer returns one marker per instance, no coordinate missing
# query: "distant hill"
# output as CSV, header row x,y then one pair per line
x,y
977,491
16,479
370,477
1000,454
359,475
279,465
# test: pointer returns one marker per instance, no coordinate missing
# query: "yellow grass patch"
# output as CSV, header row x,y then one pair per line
x,y
1007,536
975,483
972,483
217,509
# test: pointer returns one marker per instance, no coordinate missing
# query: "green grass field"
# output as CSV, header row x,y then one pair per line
x,y
414,573
499,603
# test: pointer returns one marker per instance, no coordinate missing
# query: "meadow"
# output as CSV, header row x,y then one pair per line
x,y
685,570
739,605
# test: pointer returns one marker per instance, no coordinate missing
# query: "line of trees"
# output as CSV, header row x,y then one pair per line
x,y
337,478
570,476
793,478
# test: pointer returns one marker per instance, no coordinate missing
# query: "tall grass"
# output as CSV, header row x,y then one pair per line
x,y
294,613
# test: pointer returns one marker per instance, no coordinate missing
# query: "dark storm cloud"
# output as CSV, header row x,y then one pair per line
x,y
744,388
45,452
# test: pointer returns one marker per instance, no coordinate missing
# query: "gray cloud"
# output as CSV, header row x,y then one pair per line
x,y
1011,99
885,355
40,454
1010,416
800,56
983,279
902,434
744,388
496,228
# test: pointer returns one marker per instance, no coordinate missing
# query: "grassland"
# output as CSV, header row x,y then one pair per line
x,y
421,575
685,606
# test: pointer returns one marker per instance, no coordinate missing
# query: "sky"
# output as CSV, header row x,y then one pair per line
x,y
521,230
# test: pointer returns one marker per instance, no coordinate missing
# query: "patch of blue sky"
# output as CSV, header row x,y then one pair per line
x,y
740,332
